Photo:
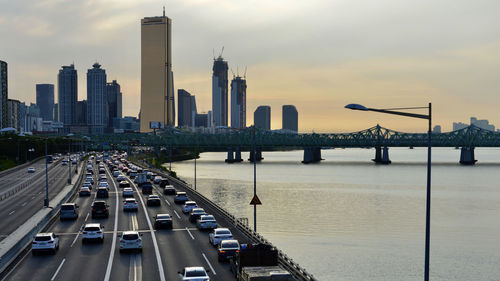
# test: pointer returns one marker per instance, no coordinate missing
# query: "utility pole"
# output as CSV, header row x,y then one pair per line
x,y
69,162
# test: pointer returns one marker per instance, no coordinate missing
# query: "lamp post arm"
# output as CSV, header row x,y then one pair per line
x,y
407,114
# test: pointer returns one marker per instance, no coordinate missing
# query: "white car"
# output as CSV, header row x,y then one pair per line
x,y
194,273
130,204
219,234
130,240
93,231
188,206
157,179
31,170
116,173
121,177
206,222
128,192
45,242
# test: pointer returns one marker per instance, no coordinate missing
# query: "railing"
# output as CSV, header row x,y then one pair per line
x,y
286,262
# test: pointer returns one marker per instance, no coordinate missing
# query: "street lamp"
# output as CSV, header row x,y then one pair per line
x,y
428,201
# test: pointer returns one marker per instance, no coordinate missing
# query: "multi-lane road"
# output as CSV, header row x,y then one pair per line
x,y
18,207
165,252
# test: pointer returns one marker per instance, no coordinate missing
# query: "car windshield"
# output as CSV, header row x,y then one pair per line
x,y
223,232
229,245
43,238
99,204
67,207
92,228
195,273
130,201
208,218
130,236
163,217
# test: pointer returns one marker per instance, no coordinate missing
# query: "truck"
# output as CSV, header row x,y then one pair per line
x,y
140,179
258,262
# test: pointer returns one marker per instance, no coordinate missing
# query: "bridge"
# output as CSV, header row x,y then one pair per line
x,y
255,140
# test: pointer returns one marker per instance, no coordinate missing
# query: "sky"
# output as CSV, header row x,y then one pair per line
x,y
318,55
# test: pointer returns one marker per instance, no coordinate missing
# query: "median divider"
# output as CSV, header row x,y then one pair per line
x,y
19,240
286,262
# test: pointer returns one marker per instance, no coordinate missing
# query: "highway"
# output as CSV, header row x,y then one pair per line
x,y
17,208
165,252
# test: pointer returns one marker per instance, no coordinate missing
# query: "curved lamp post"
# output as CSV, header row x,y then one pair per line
x,y
428,201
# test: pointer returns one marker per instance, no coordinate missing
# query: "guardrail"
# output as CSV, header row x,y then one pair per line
x,y
49,215
286,262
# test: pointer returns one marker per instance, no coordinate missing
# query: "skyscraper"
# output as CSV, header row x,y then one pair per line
x,y
114,100
67,94
156,72
262,117
238,102
290,119
97,109
3,95
45,100
184,108
56,112
219,92
194,111
81,112
13,109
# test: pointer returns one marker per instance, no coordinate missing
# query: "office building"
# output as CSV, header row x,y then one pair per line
x,y
13,114
219,92
22,116
67,94
186,108
290,118
45,100
56,112
32,120
238,103
97,108
201,120
262,117
157,102
114,101
483,124
437,129
81,112
126,124
3,95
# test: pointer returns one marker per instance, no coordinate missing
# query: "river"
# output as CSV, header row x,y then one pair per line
x,y
349,219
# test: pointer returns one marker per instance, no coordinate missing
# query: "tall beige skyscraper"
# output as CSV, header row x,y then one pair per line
x,y
156,72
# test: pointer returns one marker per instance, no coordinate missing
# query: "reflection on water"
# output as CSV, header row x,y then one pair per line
x,y
348,219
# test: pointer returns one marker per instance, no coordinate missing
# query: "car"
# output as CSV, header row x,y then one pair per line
x,y
147,188
148,175
102,192
163,183
93,231
84,191
87,184
121,177
195,214
124,184
206,222
104,184
31,170
100,209
130,204
128,192
180,197
130,240
219,234
68,211
194,273
153,200
188,206
133,174
169,190
89,179
163,221
45,242
157,179
64,162
227,249
102,171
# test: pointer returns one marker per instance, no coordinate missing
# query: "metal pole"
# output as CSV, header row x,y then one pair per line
x,y
195,168
254,181
428,204
69,163
46,203
170,159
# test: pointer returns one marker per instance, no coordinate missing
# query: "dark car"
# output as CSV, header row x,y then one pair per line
x,y
195,214
180,197
163,183
147,188
100,209
163,221
102,192
169,190
227,249
153,200
124,184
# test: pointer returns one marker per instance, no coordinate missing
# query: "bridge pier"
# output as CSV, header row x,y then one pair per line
x,y
233,155
312,155
259,155
467,156
381,155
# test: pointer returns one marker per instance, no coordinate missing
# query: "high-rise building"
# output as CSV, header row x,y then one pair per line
x,y
97,108
56,112
114,100
238,103
201,120
45,100
13,112
67,94
219,92
157,101
262,117
3,95
81,112
184,102
194,111
32,120
290,119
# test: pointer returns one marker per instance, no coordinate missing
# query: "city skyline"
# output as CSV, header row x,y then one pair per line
x,y
365,59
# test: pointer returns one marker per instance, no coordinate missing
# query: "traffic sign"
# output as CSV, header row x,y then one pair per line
x,y
255,200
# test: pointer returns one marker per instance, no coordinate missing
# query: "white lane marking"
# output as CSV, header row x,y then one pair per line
x,y
177,214
57,271
168,203
87,216
40,192
15,266
74,240
189,232
115,231
209,264
24,204
33,197
12,212
155,243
